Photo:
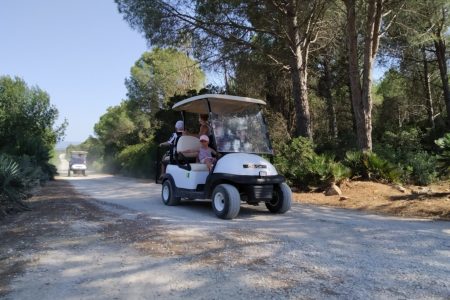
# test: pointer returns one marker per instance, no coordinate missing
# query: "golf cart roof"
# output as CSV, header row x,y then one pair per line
x,y
219,103
78,152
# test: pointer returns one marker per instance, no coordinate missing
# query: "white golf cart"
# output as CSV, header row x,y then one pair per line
x,y
240,174
77,163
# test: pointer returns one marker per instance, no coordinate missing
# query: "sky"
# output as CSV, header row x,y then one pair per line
x,y
79,51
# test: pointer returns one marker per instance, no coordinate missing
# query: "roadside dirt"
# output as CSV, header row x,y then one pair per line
x,y
52,212
425,202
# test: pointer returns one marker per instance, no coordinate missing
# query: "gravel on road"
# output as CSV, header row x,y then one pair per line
x,y
105,237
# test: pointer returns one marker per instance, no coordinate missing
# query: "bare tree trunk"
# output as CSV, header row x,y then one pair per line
x,y
361,91
427,86
299,74
355,83
439,44
332,124
227,85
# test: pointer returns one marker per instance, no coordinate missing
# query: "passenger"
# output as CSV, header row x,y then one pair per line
x,y
204,126
205,153
179,131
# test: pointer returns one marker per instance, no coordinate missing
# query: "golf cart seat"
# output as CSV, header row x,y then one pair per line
x,y
192,144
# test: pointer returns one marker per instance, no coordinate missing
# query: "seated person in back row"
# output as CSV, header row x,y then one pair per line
x,y
205,153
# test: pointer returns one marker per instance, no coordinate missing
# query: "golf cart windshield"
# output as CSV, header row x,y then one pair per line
x,y
78,157
243,131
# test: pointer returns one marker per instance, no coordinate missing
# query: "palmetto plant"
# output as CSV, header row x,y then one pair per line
x,y
444,156
12,189
369,166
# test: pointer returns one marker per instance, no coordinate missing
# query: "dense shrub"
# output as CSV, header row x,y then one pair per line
x,y
405,150
303,168
444,157
18,177
419,168
323,170
395,146
138,160
368,165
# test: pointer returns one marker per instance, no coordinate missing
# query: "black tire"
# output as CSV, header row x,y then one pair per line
x,y
226,201
84,172
281,200
68,173
168,194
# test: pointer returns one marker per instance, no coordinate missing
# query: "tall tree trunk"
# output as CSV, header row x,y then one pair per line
x,y
427,87
355,83
361,91
439,44
299,74
332,124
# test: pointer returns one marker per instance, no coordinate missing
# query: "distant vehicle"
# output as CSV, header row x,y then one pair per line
x,y
77,163
240,136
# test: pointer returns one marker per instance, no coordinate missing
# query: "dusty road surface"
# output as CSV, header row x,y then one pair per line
x,y
134,247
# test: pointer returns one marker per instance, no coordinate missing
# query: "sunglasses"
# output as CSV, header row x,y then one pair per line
x,y
203,141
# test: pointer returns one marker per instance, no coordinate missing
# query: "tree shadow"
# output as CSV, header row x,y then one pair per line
x,y
419,196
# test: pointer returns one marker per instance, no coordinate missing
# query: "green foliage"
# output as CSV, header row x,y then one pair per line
x,y
159,75
444,157
11,187
26,113
303,168
26,123
370,166
323,170
138,160
18,177
420,168
125,132
405,150
395,145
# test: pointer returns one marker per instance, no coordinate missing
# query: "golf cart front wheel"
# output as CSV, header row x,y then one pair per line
x,y
168,194
226,201
281,199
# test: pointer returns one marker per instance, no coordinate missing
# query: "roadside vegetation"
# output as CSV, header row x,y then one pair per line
x,y
27,139
327,124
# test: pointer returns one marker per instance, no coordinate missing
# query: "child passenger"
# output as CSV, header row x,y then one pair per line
x,y
205,153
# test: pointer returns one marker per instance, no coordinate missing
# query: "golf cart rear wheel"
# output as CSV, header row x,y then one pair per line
x,y
168,194
281,200
226,201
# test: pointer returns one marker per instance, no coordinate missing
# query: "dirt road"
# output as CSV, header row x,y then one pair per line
x,y
134,247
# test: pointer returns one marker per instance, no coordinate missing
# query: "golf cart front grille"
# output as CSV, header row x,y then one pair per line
x,y
257,192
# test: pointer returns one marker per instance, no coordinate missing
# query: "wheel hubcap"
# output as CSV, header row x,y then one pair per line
x,y
275,200
219,201
165,192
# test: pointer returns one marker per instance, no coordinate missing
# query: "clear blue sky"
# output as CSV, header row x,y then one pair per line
x,y
79,51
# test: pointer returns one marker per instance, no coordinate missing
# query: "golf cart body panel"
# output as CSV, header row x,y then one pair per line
x,y
244,164
187,179
239,134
